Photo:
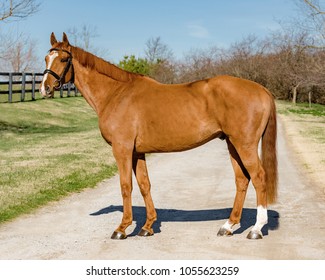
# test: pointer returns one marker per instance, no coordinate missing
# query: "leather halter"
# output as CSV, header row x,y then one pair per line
x,y
60,79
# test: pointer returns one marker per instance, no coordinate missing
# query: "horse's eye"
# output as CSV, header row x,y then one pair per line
x,y
64,59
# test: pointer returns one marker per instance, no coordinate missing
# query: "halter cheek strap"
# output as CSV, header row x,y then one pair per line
x,y
60,79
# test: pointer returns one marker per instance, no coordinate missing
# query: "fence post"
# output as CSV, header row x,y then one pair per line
x,y
23,84
33,86
10,88
69,88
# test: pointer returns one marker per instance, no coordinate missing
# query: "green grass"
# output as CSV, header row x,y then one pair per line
x,y
48,149
301,109
311,119
304,109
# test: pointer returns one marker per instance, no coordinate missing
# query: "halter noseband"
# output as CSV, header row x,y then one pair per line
x,y
60,79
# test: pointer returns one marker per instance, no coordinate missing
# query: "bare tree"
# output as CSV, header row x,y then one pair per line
x,y
83,38
296,65
17,9
156,50
161,60
245,59
200,64
310,20
18,54
314,5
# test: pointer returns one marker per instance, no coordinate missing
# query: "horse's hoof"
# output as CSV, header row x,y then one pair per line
x,y
144,232
224,232
255,235
118,235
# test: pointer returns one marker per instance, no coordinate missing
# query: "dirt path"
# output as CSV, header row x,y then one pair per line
x,y
193,192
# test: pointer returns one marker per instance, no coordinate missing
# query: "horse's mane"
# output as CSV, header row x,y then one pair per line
x,y
101,66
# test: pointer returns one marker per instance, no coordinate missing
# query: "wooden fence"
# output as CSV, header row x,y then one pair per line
x,y
13,83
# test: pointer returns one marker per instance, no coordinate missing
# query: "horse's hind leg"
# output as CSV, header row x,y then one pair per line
x,y
249,157
242,179
141,173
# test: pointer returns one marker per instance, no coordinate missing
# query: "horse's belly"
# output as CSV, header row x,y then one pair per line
x,y
173,140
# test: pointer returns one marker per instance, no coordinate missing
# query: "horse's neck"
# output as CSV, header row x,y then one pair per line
x,y
96,88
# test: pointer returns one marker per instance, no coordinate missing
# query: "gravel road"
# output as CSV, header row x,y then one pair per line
x,y
193,193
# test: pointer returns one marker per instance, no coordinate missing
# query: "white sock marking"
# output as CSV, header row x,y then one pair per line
x,y
261,218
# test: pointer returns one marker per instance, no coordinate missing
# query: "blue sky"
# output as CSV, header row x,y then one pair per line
x,y
124,26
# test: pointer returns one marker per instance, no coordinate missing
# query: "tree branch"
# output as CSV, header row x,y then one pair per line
x,y
314,7
18,9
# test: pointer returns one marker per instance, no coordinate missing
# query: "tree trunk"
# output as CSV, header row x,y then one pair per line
x,y
294,94
309,99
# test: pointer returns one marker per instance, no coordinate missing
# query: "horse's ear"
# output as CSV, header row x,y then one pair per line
x,y
53,39
65,39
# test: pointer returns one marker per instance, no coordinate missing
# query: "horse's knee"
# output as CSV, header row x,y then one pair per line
x,y
126,190
144,188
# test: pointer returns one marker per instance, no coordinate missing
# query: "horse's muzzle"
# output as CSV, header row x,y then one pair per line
x,y
46,91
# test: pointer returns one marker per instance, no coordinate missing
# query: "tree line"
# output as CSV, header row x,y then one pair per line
x,y
283,62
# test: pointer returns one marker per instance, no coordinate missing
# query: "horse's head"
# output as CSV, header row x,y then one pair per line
x,y
59,68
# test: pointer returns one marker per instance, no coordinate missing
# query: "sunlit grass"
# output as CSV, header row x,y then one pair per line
x,y
48,149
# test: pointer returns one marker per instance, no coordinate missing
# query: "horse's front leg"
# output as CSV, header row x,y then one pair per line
x,y
141,173
123,157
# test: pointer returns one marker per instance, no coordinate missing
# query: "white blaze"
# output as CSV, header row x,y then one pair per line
x,y
51,59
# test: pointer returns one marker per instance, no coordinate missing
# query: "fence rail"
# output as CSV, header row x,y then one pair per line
x,y
21,83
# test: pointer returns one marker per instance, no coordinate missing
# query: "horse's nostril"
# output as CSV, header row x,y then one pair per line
x,y
48,89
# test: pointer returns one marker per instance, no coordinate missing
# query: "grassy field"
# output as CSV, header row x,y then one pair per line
x,y
48,149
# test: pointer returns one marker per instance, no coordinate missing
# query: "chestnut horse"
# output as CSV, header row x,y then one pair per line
x,y
139,115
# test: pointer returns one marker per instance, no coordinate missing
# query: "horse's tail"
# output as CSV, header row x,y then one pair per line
x,y
269,154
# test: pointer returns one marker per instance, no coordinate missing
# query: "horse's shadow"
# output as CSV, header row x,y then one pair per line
x,y
174,215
